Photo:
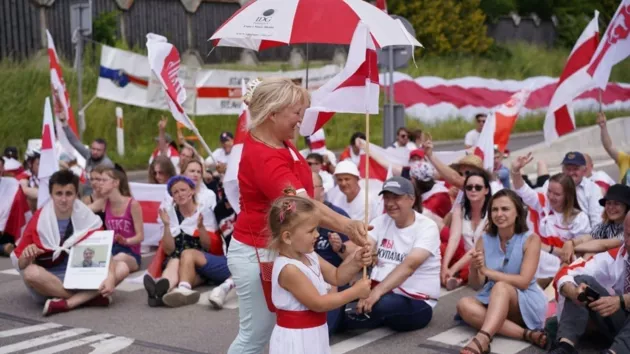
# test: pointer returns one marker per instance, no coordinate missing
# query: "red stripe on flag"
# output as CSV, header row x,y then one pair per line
x,y
563,122
503,130
367,70
376,170
317,14
318,144
150,210
580,58
219,92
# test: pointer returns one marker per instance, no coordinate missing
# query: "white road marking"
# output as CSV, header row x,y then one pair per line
x,y
35,342
73,344
10,272
360,340
29,329
460,336
111,345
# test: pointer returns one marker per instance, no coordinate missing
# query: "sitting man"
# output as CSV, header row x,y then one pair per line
x,y
40,255
587,300
406,277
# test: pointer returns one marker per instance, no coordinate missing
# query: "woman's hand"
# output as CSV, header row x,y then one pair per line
x,y
166,220
162,123
357,231
445,274
428,147
479,261
601,119
521,162
567,252
365,305
200,224
363,256
335,241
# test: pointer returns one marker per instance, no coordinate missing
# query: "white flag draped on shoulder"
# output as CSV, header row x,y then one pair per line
x,y
574,81
164,61
613,47
354,90
48,162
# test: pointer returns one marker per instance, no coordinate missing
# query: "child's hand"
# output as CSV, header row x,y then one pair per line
x,y
363,256
363,288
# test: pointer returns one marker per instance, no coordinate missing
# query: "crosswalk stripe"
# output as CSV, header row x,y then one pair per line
x,y
111,345
460,336
73,344
31,343
360,340
29,329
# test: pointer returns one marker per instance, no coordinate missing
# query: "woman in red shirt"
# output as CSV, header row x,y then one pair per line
x,y
269,164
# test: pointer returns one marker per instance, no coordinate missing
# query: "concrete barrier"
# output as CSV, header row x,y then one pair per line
x,y
585,140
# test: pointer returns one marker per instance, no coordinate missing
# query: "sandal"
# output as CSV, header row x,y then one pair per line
x,y
475,341
453,283
541,342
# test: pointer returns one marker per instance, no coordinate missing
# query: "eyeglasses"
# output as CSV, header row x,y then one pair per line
x,y
476,187
402,136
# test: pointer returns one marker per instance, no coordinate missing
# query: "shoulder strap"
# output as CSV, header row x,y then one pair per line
x,y
180,216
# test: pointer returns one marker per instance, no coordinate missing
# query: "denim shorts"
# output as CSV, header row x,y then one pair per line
x,y
215,270
117,248
59,271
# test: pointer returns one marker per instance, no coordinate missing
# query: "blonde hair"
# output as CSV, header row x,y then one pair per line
x,y
284,215
273,95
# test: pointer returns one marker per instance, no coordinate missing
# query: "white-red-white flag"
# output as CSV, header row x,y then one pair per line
x,y
149,196
14,209
485,144
574,80
230,180
613,48
505,117
48,162
381,4
354,90
164,61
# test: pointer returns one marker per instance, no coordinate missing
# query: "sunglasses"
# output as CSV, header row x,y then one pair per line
x,y
402,135
476,187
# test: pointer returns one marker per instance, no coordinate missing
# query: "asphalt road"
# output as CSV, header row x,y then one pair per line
x,y
130,326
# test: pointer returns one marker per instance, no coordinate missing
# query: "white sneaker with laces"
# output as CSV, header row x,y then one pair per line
x,y
217,296
181,297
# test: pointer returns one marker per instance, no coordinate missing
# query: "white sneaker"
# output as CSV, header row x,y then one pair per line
x,y
181,297
217,297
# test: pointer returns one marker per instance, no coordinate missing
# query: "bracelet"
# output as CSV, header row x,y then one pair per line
x,y
551,250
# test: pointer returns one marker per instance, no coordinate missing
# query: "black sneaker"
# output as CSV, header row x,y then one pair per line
x,y
155,290
563,348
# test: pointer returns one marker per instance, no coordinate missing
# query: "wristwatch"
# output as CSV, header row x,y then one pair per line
x,y
342,250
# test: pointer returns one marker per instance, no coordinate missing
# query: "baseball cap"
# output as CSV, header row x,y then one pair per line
x,y
10,152
574,158
399,186
419,153
347,167
225,136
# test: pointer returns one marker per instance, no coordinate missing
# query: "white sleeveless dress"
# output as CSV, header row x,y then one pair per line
x,y
298,341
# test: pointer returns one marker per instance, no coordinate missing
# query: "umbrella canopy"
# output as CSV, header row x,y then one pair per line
x,y
263,24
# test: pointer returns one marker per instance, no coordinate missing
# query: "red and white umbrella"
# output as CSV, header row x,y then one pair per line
x,y
263,24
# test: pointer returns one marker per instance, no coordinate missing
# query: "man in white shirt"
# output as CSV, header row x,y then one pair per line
x,y
402,140
579,285
222,154
406,277
601,178
315,161
588,193
472,136
350,196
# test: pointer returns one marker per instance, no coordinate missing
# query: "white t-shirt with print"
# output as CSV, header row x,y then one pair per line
x,y
394,244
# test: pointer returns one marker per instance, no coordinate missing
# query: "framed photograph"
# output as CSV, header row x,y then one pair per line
x,y
88,262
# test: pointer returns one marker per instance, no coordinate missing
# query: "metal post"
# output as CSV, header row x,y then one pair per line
x,y
307,66
392,101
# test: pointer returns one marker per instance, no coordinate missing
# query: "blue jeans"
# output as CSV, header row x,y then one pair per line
x,y
394,311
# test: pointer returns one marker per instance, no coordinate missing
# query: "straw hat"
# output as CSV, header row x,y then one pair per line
x,y
473,162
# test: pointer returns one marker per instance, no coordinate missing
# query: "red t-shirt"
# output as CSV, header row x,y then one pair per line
x,y
440,204
264,172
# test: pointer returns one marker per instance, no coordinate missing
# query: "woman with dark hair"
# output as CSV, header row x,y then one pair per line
x,y
161,170
557,217
503,265
608,234
467,226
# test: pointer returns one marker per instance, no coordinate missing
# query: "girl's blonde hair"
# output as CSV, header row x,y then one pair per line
x,y
273,95
116,174
284,214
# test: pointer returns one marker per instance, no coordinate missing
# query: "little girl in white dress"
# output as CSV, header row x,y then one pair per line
x,y
300,279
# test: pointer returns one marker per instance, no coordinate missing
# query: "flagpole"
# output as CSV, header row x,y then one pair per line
x,y
600,100
367,161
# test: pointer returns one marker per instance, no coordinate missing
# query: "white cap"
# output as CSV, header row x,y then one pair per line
x,y
347,167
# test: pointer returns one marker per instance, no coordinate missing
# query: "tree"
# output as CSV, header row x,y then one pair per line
x,y
446,26
497,8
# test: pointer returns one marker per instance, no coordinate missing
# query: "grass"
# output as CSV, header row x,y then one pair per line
x,y
25,85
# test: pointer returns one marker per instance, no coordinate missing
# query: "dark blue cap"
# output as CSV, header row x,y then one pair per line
x,y
574,158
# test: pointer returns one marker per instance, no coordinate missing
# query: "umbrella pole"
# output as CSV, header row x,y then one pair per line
x,y
307,66
367,176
